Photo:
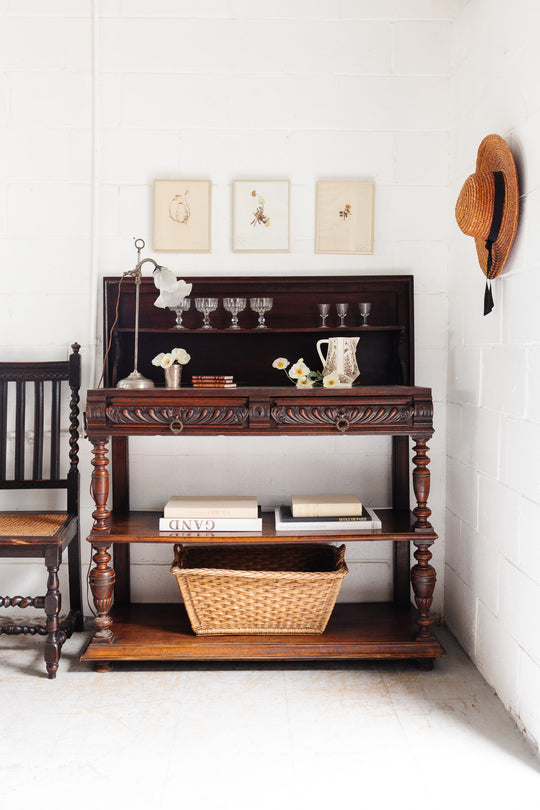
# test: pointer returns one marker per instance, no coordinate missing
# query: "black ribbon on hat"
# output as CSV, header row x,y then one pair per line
x,y
498,209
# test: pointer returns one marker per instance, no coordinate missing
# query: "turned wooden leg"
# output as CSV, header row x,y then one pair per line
x,y
421,483
52,604
99,485
423,578
102,585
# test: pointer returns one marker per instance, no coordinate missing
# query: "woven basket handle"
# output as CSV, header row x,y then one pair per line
x,y
340,556
180,555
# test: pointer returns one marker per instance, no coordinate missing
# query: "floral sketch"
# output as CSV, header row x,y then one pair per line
x,y
344,217
182,216
179,207
261,215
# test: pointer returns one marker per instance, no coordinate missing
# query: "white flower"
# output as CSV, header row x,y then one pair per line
x,y
304,382
181,356
158,358
280,362
331,380
167,360
298,370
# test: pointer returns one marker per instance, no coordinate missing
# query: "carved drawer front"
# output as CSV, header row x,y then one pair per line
x,y
211,417
341,416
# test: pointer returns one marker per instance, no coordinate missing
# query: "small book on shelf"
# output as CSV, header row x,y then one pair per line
x,y
214,377
212,384
326,505
213,381
211,513
211,506
366,521
206,524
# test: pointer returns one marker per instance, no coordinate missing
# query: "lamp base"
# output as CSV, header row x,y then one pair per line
x,y
135,380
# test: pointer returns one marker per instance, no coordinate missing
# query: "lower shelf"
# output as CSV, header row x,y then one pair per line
x,y
149,632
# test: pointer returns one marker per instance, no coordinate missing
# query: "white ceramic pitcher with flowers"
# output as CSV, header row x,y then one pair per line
x,y
340,359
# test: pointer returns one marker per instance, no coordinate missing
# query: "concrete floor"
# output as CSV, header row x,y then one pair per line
x,y
251,737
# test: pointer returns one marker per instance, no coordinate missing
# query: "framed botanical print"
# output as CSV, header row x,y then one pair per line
x,y
182,216
344,217
261,216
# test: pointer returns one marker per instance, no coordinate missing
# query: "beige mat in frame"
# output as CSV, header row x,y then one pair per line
x,y
344,216
182,216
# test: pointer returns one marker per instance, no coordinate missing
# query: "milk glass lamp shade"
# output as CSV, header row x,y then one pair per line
x,y
172,290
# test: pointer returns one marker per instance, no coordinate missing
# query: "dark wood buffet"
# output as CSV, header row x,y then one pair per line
x,y
386,402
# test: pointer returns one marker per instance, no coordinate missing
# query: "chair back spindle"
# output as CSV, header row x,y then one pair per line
x,y
37,468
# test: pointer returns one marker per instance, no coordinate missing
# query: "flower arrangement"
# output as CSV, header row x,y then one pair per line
x,y
302,376
166,359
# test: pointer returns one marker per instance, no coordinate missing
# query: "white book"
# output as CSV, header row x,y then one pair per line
x,y
204,524
211,506
326,505
367,521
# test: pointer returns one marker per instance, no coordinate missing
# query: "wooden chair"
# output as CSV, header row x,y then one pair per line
x,y
39,533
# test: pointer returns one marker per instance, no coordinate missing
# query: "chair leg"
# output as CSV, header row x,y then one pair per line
x,y
75,589
52,604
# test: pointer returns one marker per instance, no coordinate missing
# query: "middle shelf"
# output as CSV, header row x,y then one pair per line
x,y
142,527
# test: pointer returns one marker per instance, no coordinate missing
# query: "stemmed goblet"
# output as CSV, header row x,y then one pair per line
x,y
342,310
365,309
206,306
260,306
234,306
183,306
324,309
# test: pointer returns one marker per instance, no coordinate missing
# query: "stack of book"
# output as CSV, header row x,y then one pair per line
x,y
312,513
213,381
202,513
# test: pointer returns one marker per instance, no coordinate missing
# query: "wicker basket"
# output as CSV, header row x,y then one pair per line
x,y
259,589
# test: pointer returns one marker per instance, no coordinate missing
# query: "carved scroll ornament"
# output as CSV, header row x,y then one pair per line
x,y
341,417
197,416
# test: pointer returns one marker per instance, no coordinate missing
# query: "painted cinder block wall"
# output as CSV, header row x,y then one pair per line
x,y
105,97
97,99
492,594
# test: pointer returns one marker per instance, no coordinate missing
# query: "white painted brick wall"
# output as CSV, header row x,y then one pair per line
x,y
310,90
492,599
224,89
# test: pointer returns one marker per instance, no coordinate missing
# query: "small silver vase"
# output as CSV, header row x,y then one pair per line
x,y
173,376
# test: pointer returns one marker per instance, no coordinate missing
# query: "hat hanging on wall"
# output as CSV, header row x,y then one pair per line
x,y
487,208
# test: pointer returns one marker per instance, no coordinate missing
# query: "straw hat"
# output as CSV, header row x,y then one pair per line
x,y
488,205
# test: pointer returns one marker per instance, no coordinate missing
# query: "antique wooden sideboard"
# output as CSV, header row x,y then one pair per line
x,y
385,403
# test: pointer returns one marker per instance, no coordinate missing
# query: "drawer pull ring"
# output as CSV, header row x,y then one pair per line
x,y
176,427
342,423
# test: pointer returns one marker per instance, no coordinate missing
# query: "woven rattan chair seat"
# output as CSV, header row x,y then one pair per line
x,y
24,524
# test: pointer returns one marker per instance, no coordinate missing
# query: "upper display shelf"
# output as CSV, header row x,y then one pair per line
x,y
385,351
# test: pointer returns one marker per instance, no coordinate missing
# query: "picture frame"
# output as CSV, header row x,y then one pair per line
x,y
182,216
261,218
345,216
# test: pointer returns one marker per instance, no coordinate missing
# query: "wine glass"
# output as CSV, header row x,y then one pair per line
x,y
342,310
206,306
234,306
324,309
260,306
182,307
365,309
